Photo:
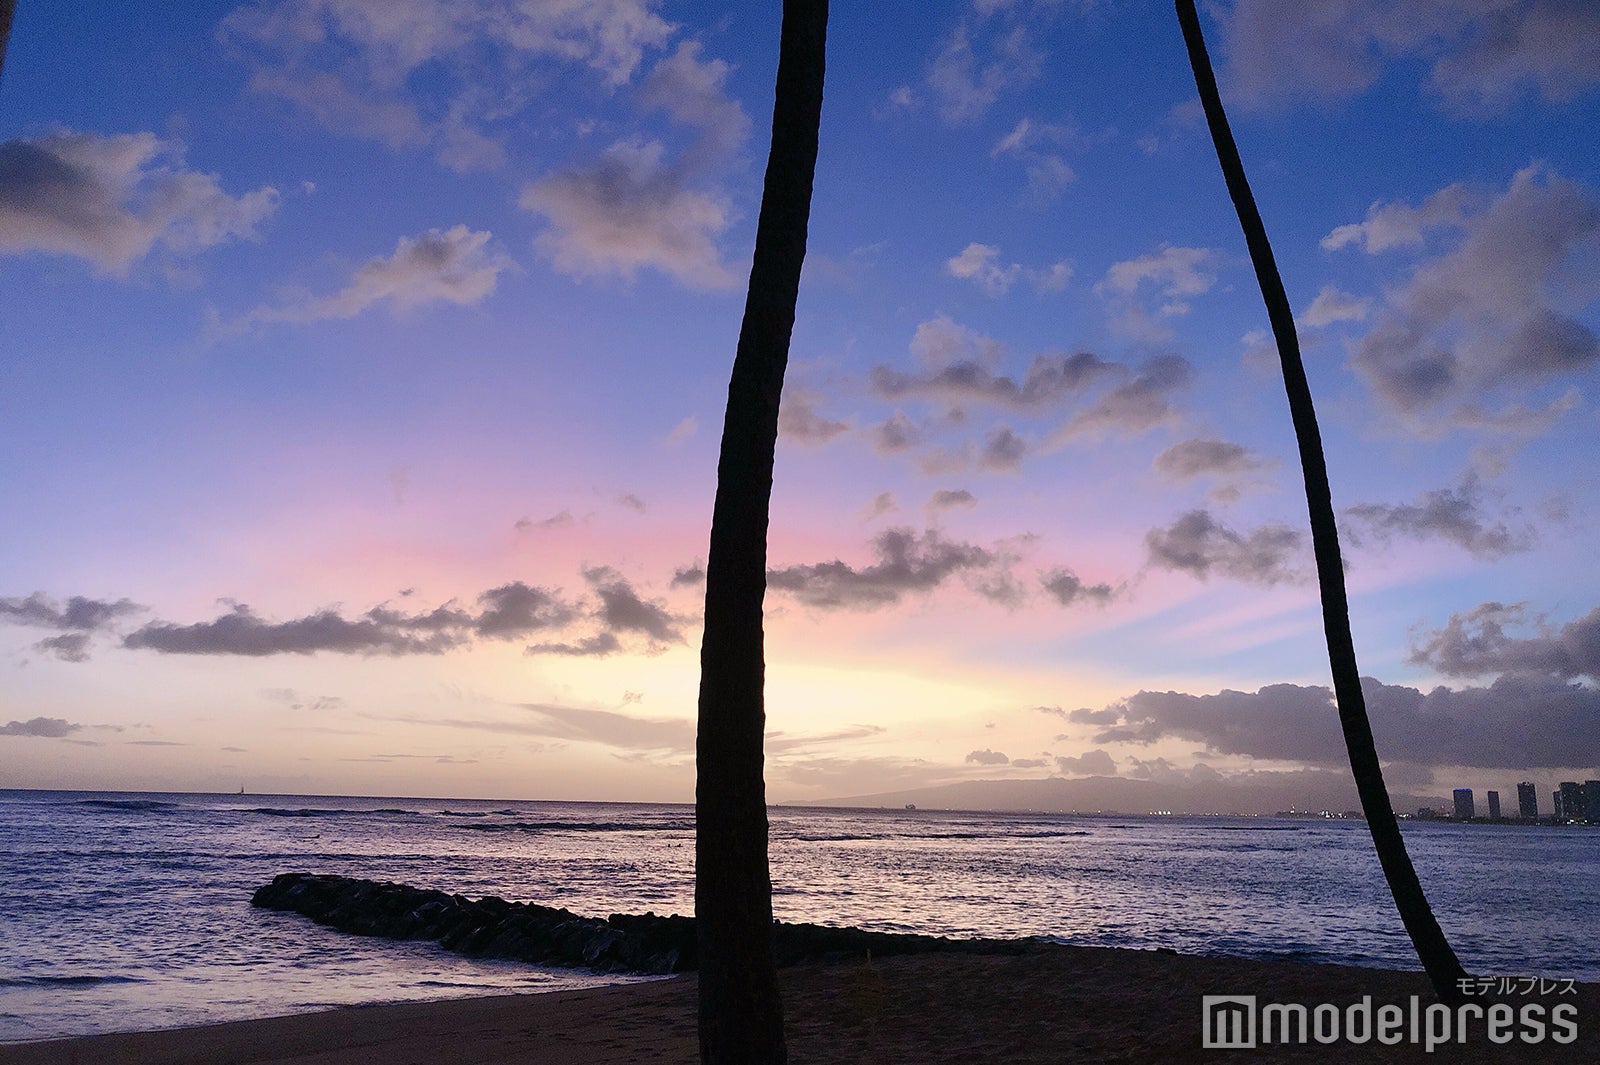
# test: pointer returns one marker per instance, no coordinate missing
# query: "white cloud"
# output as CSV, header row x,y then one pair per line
x,y
453,265
1332,305
980,264
1175,274
348,63
111,199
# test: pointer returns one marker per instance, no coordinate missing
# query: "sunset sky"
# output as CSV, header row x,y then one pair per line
x,y
362,371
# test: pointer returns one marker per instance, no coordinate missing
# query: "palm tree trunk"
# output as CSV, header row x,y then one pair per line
x,y
1432,948
741,1018
8,8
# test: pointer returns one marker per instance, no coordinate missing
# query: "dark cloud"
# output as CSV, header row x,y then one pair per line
x,y
1066,588
622,610
112,199
632,502
78,614
688,576
610,728
1204,457
1480,320
69,647
51,727
516,609
1002,450
799,421
1084,716
896,434
1199,544
1520,721
946,498
906,563
1476,643
508,612
597,646
1049,380
1095,763
1448,514
987,757
1053,711
881,504
1029,763
1137,405
555,521
1482,57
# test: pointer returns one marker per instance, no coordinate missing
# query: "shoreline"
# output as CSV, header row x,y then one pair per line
x,y
1050,1003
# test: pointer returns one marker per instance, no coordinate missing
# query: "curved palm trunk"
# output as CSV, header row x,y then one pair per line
x,y
1432,948
741,1019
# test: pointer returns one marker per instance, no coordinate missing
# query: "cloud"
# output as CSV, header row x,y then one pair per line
x,y
1451,514
452,265
1483,56
1476,643
1002,450
897,433
633,208
1205,457
622,610
906,563
948,498
78,614
554,521
882,503
960,365
1138,293
1135,406
1495,311
1096,763
987,757
1067,588
683,431
110,199
976,64
69,647
1519,721
511,611
630,210
351,65
1332,305
597,646
607,727
1198,544
799,421
632,502
49,727
980,264
688,576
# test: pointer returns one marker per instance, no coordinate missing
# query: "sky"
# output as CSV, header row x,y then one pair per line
x,y
363,364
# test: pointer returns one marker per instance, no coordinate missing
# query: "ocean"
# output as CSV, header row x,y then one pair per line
x,y
131,911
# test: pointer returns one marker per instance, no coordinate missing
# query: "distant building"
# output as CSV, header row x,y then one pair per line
x,y
1591,799
1528,801
1494,806
1571,801
1464,808
1560,807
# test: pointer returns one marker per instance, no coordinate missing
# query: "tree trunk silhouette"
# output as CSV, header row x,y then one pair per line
x,y
741,1018
8,8
1443,969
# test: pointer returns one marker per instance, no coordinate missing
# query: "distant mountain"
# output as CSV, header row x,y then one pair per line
x,y
1126,796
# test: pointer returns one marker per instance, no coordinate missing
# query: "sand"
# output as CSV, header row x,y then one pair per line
x,y
1055,1004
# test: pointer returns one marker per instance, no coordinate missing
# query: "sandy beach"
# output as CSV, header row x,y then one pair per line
x,y
1054,1004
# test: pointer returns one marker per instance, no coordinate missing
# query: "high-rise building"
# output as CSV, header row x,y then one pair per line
x,y
1591,799
1464,807
1560,807
1528,801
1494,806
1571,802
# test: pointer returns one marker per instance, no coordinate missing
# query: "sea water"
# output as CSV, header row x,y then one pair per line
x,y
123,912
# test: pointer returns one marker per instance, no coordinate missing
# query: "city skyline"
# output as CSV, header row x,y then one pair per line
x,y
365,376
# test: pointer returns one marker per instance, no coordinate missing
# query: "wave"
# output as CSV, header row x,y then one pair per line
x,y
127,804
66,981
585,826
311,811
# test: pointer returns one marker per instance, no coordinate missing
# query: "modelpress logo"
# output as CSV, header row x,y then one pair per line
x,y
1233,1022
1228,1022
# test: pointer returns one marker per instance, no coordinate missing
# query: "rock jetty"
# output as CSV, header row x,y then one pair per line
x,y
491,927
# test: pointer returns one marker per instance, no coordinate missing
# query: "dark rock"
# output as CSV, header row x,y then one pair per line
x,y
635,943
